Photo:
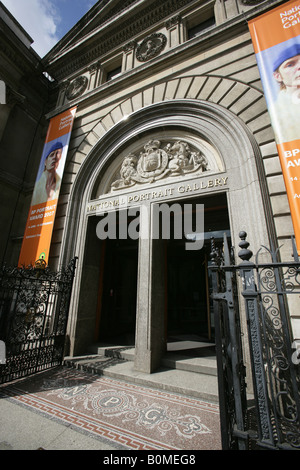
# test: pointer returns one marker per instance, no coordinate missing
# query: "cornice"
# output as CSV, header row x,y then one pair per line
x,y
110,38
24,59
188,49
86,20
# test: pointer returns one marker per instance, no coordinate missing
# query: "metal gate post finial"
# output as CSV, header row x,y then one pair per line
x,y
244,253
40,264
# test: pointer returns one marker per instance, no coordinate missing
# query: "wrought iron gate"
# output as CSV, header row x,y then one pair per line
x,y
268,288
34,306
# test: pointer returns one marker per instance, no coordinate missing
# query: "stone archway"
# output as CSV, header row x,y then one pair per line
x,y
245,104
240,98
238,150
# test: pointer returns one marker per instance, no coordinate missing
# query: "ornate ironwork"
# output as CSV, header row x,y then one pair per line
x,y
276,283
231,369
34,306
268,287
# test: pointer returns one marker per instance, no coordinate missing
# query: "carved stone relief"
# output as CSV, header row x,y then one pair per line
x,y
155,163
77,87
151,47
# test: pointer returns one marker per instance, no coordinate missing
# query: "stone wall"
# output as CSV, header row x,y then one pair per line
x,y
227,75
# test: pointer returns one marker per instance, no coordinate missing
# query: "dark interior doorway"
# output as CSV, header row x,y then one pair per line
x,y
119,291
189,312
188,308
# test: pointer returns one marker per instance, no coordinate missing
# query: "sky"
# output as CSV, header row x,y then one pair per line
x,y
47,21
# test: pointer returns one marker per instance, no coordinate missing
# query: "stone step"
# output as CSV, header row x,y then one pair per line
x,y
201,365
188,368
178,356
193,384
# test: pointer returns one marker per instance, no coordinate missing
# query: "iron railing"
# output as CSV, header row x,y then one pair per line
x,y
229,351
34,307
270,289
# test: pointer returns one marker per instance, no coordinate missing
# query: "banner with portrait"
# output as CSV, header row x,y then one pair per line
x,y
41,216
276,41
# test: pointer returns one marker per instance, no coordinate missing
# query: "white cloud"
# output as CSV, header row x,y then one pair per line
x,y
39,18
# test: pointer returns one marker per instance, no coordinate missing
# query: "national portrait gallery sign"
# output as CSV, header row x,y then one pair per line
x,y
176,191
120,217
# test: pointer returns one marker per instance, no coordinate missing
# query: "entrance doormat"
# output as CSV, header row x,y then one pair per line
x,y
132,416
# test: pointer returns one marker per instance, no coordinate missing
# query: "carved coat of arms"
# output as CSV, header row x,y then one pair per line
x,y
77,87
151,47
155,163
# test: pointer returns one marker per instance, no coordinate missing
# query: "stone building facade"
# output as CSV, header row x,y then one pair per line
x,y
170,109
24,102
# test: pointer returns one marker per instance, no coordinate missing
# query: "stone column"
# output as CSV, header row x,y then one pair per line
x,y
62,93
175,30
128,56
94,72
150,341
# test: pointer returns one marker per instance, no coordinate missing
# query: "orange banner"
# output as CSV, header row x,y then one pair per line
x,y
40,221
276,26
276,41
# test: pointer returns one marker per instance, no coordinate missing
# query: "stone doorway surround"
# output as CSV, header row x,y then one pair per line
x,y
238,164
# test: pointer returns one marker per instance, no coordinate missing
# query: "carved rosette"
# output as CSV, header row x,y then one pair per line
x,y
77,87
151,46
155,163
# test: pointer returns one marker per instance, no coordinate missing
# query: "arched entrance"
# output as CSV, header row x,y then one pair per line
x,y
187,311
227,171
